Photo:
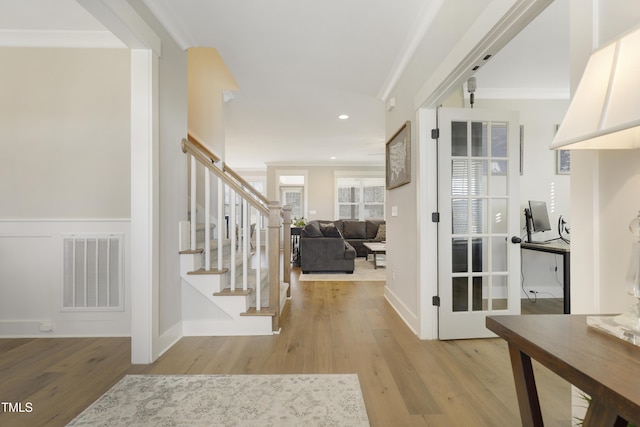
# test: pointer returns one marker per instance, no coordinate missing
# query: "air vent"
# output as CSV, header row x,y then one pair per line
x,y
93,272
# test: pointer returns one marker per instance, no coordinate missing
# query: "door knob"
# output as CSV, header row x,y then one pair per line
x,y
516,240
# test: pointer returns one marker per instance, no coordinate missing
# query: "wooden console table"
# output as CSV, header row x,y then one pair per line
x,y
604,367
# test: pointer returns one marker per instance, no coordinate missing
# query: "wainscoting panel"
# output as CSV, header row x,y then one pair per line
x,y
32,278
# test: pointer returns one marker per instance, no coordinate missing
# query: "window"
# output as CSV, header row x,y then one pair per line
x,y
292,192
360,197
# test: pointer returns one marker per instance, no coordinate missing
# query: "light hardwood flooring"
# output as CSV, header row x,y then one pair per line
x,y
329,327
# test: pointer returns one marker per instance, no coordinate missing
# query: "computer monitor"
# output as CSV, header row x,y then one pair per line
x,y
536,218
539,216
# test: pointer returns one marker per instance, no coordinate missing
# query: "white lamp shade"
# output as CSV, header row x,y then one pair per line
x,y
605,110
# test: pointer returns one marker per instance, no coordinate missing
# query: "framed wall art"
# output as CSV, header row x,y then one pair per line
x,y
398,157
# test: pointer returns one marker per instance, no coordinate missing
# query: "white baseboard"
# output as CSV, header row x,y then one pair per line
x,y
403,311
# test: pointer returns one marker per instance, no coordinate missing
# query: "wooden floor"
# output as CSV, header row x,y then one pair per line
x,y
330,327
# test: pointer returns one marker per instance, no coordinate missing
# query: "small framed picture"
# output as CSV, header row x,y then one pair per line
x,y
398,157
563,162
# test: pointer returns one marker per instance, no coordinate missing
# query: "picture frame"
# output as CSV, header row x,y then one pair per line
x,y
398,158
563,159
563,162
521,149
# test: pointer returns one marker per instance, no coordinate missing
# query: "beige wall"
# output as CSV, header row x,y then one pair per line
x,y
208,77
64,133
320,186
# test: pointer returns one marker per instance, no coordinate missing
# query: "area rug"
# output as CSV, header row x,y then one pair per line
x,y
229,400
363,272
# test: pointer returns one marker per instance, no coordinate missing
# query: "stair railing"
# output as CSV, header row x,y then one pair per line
x,y
239,232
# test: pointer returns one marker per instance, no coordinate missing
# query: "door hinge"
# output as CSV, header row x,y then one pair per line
x,y
435,217
435,133
436,301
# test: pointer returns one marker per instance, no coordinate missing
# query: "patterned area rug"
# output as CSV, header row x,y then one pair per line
x,y
363,272
229,400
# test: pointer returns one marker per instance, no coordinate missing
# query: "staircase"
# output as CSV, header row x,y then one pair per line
x,y
231,282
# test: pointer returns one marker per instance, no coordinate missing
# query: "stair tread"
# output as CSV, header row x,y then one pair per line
x,y
210,271
264,311
229,292
191,251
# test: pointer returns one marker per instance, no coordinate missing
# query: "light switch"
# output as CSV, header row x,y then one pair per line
x,y
394,211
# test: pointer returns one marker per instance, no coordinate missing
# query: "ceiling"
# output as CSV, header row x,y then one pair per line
x,y
301,64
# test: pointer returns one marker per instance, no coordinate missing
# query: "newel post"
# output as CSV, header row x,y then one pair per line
x,y
286,243
274,261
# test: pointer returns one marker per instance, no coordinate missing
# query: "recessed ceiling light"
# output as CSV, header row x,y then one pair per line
x,y
333,157
343,117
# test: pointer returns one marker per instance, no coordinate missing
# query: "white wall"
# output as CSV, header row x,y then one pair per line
x,y
604,195
539,181
65,169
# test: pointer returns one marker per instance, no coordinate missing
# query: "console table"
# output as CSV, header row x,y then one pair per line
x,y
558,248
604,367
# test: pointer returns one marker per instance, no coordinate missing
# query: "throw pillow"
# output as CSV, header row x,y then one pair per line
x,y
312,229
329,230
382,232
354,230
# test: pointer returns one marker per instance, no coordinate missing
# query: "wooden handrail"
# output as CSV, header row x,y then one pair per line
x,y
195,141
195,152
242,181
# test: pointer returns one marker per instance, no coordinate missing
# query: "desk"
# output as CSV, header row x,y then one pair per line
x,y
602,366
560,248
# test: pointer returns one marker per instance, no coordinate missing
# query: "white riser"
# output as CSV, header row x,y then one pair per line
x,y
208,315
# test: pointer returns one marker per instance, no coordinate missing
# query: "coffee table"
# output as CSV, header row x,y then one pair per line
x,y
376,248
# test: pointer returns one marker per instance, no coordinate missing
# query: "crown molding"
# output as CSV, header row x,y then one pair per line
x,y
494,28
124,22
427,14
520,93
59,38
161,9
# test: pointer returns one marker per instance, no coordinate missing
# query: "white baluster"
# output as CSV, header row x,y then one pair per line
x,y
193,203
234,240
245,252
207,219
220,222
258,261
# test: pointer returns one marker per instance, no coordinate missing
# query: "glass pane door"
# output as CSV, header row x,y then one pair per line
x,y
479,213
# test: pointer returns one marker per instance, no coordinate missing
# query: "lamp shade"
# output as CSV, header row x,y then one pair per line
x,y
605,110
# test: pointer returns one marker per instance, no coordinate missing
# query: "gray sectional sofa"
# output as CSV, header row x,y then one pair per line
x,y
332,246
322,249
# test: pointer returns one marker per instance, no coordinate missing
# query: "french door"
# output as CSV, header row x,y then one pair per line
x,y
478,201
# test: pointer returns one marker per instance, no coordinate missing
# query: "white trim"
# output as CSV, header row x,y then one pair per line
x,y
427,202
427,14
124,22
144,212
372,173
500,21
520,93
162,11
65,220
410,319
59,38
